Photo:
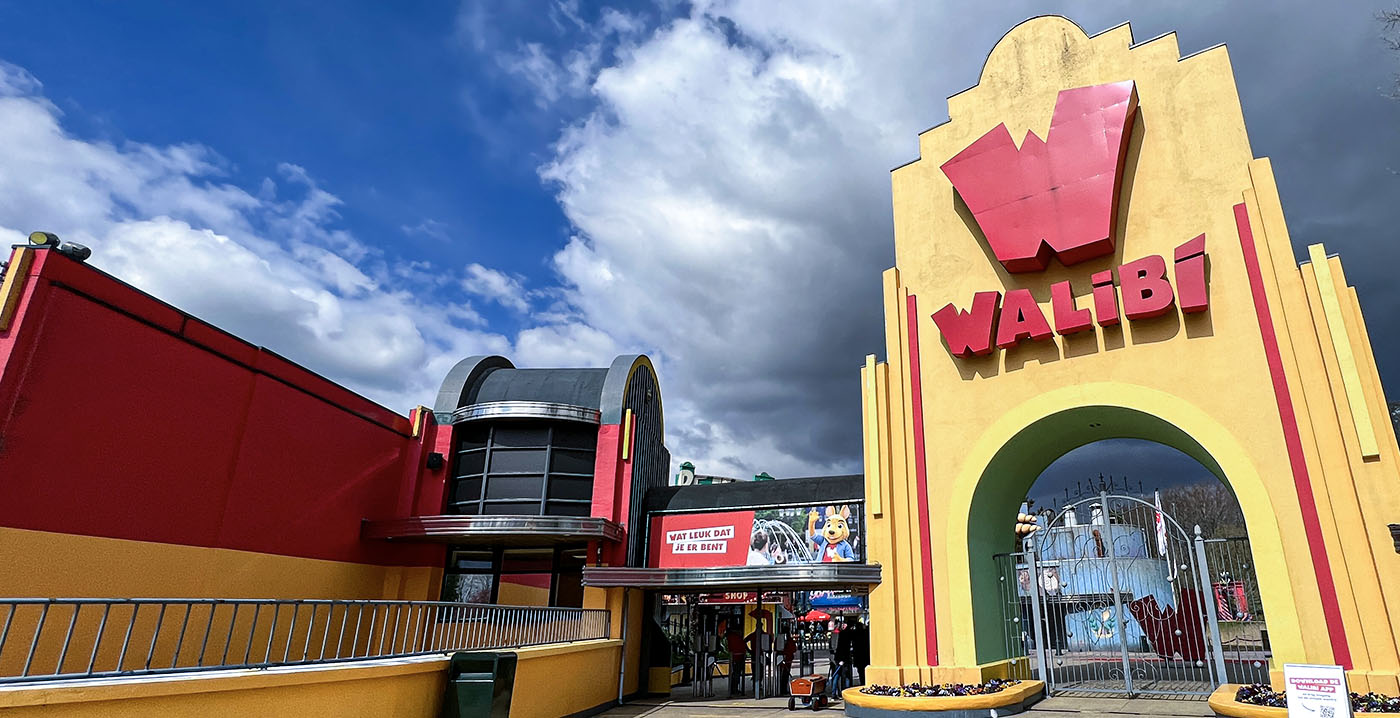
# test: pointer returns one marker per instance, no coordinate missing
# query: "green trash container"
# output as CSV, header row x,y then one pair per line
x,y
479,685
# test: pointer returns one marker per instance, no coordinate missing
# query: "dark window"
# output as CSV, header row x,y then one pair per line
x,y
521,436
471,462
568,579
572,461
534,576
516,461
514,487
571,487
523,467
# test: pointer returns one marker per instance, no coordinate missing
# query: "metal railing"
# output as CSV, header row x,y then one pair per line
x,y
64,638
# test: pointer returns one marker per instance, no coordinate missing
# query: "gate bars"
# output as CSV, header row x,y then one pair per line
x,y
64,638
1122,609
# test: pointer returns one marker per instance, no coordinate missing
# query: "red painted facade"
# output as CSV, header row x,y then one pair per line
x,y
126,418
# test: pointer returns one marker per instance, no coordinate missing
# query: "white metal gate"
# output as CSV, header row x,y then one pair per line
x,y
1112,596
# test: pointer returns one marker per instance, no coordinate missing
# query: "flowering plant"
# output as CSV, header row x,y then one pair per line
x,y
919,690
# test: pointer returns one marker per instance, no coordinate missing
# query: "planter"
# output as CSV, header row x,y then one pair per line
x,y
1008,702
1223,702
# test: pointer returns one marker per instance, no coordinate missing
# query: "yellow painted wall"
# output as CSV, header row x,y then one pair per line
x,y
550,681
1199,382
410,688
561,680
45,564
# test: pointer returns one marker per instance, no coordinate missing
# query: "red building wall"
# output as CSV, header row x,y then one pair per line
x,y
123,418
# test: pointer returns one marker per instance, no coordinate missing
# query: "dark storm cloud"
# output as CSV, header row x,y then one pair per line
x,y
731,190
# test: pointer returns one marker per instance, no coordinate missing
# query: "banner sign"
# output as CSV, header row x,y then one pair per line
x,y
834,599
1316,691
766,537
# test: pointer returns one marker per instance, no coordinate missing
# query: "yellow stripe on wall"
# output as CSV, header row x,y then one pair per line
x,y
874,500
1346,359
13,284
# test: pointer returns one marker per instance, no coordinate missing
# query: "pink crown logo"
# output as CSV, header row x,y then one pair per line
x,y
1053,197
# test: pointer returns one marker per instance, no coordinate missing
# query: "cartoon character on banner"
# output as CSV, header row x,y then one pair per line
x,y
832,540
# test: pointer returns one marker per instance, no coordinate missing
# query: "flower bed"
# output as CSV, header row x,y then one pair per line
x,y
919,690
949,699
1260,694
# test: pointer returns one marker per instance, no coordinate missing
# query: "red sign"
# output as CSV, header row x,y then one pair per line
x,y
1059,197
1056,196
701,540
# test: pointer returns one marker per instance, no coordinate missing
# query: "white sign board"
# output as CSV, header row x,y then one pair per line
x,y
706,540
1316,691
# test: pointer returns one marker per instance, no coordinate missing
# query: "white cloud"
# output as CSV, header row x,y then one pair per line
x,y
278,272
729,191
496,286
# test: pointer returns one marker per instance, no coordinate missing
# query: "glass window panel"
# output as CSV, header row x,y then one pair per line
x,y
559,508
464,508
472,462
521,435
568,487
514,487
528,508
471,436
572,461
576,436
467,587
573,559
517,461
468,489
527,560
473,561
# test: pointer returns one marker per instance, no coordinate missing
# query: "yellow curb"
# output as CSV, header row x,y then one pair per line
x,y
1012,695
1223,702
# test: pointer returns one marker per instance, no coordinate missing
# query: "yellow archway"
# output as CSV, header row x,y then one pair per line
x,y
1013,451
1270,383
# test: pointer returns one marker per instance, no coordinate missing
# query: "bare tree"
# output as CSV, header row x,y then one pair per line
x,y
1390,33
1208,504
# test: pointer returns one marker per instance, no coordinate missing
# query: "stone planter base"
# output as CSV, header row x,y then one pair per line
x,y
1008,702
1223,702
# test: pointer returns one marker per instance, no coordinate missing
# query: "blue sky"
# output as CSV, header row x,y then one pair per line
x,y
377,190
390,105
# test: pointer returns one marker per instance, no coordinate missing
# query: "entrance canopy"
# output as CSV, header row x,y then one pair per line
x,y
795,577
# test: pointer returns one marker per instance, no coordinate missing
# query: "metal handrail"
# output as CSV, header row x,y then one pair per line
x,y
44,639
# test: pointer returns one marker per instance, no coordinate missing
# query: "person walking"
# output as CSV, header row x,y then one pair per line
x,y
841,658
860,651
734,640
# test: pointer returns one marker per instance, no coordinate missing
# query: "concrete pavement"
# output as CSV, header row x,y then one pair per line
x,y
1057,707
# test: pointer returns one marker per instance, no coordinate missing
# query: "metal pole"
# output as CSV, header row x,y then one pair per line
x,y
1208,608
1041,647
622,661
760,690
1117,595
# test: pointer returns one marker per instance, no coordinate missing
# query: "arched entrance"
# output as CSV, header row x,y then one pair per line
x,y
997,494
1154,295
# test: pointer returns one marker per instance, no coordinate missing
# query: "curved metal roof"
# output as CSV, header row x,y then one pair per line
x,y
481,379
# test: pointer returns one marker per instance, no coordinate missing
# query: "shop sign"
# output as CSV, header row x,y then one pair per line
x,y
765,537
1316,691
1058,198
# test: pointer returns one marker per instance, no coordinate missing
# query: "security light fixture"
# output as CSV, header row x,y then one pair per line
x,y
43,239
435,461
49,240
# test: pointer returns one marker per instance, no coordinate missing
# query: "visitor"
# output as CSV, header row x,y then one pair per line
x,y
843,657
860,651
788,647
734,640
